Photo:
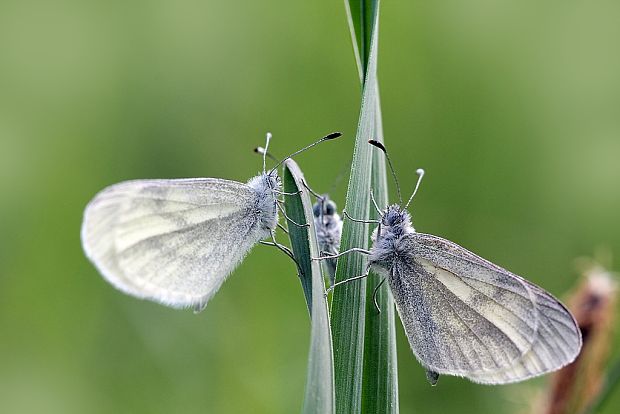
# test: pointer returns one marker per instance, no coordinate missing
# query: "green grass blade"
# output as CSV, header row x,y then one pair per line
x,y
380,386
361,15
300,243
349,302
379,391
319,394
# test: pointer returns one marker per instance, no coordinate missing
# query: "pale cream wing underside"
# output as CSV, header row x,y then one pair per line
x,y
171,241
483,322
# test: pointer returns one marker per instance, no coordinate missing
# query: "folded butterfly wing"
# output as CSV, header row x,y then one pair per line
x,y
465,316
171,241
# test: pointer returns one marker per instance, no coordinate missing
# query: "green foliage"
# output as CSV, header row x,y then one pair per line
x,y
365,345
380,376
319,394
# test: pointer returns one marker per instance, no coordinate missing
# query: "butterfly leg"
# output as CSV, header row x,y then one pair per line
x,y
344,213
284,249
305,184
335,256
372,197
284,229
287,251
321,200
290,220
374,295
314,193
285,193
351,279
281,247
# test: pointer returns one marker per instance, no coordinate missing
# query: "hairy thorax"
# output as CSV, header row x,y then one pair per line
x,y
266,186
390,238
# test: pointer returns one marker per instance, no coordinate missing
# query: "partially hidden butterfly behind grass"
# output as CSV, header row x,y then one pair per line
x,y
328,225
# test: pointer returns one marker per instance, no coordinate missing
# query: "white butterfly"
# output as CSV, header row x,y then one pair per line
x,y
176,241
464,315
328,226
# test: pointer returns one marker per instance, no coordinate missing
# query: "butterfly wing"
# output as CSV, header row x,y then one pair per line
x,y
171,241
465,316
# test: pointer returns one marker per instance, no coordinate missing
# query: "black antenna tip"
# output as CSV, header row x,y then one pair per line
x,y
377,144
333,135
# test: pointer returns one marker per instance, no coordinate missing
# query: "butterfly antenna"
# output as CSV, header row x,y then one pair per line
x,y
420,173
327,137
267,139
382,148
262,151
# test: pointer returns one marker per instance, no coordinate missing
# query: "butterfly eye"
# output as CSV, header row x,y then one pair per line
x,y
330,208
316,210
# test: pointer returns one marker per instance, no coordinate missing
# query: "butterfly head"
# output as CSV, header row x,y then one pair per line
x,y
272,181
266,184
327,221
396,221
324,207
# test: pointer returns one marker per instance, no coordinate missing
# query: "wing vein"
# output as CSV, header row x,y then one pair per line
x,y
503,306
443,294
166,233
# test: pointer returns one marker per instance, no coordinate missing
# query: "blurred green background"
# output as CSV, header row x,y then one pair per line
x,y
513,109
